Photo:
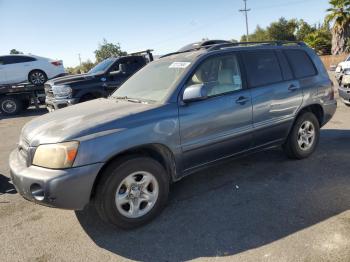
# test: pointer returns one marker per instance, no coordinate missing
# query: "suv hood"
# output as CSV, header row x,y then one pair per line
x,y
80,120
70,79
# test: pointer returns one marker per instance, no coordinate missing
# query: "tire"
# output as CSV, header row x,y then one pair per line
x,y
114,200
10,105
300,142
37,77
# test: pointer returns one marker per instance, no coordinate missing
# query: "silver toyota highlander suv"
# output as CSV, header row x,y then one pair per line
x,y
177,115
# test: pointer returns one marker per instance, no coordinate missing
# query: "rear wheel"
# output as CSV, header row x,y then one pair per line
x,y
10,105
37,77
304,136
131,192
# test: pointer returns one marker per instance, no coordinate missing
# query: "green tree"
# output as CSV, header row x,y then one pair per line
x,y
282,30
80,69
303,30
259,34
320,40
339,15
86,66
15,52
106,50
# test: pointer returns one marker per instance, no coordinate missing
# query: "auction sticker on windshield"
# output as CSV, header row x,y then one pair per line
x,y
179,65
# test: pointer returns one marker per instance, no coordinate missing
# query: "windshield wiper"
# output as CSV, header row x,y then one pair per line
x,y
133,100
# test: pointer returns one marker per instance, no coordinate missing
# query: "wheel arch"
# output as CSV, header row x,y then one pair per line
x,y
158,152
316,109
36,69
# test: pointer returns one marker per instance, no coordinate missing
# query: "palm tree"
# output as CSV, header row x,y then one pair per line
x,y
339,14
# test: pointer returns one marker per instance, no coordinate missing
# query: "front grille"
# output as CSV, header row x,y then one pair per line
x,y
48,90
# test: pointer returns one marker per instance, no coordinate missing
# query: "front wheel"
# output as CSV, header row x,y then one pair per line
x,y
131,192
304,137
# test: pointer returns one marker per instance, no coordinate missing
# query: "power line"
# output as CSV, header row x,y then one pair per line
x,y
245,10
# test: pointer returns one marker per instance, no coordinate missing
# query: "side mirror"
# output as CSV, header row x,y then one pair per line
x,y
121,70
195,93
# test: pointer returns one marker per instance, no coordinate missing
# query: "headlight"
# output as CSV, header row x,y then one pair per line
x,y
59,155
61,90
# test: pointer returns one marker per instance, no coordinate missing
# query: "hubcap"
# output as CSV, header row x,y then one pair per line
x,y
306,135
137,194
8,106
37,78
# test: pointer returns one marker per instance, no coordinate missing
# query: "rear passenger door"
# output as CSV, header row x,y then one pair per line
x,y
276,95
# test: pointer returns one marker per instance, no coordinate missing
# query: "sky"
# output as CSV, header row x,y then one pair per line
x,y
62,29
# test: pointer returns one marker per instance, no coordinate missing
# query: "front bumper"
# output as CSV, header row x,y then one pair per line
x,y
65,188
344,94
53,104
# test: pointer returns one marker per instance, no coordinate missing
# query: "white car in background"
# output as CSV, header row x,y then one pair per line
x,y
28,68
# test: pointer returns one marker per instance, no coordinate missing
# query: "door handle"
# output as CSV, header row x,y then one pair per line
x,y
242,100
293,87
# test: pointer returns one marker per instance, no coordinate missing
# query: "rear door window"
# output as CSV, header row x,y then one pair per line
x,y
262,68
300,63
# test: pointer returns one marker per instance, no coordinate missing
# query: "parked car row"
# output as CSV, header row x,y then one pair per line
x,y
26,76
181,113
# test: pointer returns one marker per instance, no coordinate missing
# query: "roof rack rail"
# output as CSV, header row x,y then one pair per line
x,y
277,43
216,46
144,52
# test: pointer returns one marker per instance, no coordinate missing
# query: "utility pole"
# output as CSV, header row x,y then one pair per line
x,y
79,59
245,10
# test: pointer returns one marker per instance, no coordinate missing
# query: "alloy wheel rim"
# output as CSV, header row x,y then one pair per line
x,y
306,135
37,78
8,106
137,194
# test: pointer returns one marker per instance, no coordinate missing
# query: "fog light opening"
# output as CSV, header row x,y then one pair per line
x,y
37,192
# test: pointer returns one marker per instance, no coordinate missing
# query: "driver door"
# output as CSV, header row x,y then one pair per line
x,y
221,125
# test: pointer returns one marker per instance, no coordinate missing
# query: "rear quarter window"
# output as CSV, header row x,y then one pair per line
x,y
301,63
262,68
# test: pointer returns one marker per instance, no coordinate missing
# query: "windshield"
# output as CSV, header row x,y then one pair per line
x,y
102,66
154,81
